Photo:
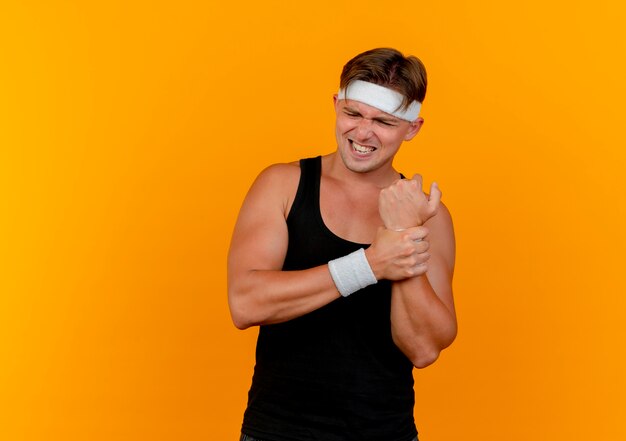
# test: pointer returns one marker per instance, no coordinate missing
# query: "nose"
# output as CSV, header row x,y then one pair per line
x,y
363,130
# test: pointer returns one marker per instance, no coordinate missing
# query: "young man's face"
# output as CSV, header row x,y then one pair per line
x,y
368,138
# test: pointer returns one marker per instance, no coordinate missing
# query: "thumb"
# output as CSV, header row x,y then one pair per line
x,y
435,196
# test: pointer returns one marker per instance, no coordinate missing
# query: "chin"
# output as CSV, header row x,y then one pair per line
x,y
361,166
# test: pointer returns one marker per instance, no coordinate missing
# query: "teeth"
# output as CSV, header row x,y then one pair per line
x,y
361,148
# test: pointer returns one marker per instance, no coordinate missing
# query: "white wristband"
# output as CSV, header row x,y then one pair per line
x,y
352,272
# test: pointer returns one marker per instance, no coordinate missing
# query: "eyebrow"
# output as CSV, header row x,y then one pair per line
x,y
386,119
382,118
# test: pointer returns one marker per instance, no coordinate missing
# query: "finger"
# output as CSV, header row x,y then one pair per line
x,y
418,270
390,193
422,246
383,195
387,197
417,233
418,178
435,196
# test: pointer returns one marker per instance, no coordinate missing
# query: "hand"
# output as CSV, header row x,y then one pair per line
x,y
399,255
403,204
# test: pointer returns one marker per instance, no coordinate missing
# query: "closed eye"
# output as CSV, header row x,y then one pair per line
x,y
382,121
352,114
385,122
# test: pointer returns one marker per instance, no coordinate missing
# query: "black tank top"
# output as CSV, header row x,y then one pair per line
x,y
333,374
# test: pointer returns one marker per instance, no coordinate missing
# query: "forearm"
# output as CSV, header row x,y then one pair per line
x,y
259,297
422,324
267,295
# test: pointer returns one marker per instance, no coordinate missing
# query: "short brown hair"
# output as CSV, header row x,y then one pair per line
x,y
389,68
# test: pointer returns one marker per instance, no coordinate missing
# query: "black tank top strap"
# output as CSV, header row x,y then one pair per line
x,y
309,185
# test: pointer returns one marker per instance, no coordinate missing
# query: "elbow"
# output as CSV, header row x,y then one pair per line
x,y
240,311
421,354
425,358
427,353
240,322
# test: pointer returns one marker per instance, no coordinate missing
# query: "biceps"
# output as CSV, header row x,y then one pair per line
x,y
259,242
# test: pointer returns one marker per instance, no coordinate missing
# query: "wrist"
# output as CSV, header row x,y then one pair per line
x,y
401,226
352,272
370,254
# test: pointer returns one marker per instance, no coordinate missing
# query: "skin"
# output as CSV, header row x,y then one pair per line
x,y
364,188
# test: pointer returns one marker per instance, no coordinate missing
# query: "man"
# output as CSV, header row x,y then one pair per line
x,y
347,269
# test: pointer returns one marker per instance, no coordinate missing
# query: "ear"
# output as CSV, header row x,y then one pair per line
x,y
414,128
335,101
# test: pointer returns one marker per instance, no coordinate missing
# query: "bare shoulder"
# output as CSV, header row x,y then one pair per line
x,y
441,220
280,173
276,184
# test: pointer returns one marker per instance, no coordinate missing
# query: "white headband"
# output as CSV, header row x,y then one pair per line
x,y
387,100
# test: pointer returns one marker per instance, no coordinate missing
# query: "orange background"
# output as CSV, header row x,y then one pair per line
x,y
130,132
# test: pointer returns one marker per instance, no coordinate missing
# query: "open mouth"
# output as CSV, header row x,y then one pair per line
x,y
362,148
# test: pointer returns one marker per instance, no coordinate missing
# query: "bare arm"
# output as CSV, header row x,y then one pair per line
x,y
259,292
423,318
